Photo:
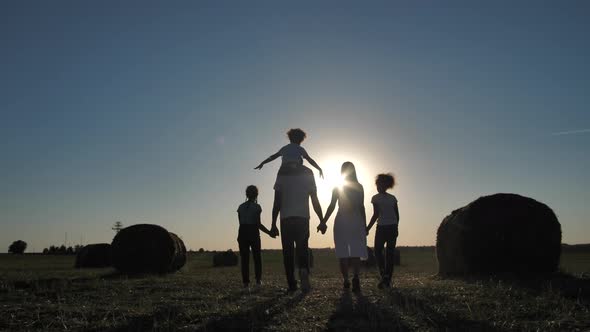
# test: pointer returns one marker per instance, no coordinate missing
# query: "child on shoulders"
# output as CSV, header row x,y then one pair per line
x,y
292,154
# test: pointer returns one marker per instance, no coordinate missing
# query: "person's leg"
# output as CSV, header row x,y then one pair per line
x,y
288,253
378,250
355,262
256,255
391,242
344,270
301,229
245,260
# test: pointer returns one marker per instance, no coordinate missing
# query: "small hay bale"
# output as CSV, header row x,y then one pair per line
x,y
226,258
94,256
499,233
146,248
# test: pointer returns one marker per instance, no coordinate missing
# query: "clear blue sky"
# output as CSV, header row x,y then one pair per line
x,y
158,111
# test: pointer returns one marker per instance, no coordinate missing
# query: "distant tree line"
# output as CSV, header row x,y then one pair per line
x,y
62,250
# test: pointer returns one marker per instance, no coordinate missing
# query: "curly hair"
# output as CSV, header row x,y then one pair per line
x,y
252,192
385,180
296,135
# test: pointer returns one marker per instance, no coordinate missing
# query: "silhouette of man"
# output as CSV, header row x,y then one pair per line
x,y
293,188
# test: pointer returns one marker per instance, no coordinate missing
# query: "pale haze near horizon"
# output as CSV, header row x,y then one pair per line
x,y
159,113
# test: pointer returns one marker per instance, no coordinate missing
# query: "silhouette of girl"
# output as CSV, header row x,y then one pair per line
x,y
386,213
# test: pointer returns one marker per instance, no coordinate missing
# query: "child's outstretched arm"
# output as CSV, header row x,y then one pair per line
x,y
268,160
374,217
314,164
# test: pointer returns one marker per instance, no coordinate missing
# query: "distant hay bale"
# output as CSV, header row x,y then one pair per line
x,y
499,233
146,248
225,258
94,256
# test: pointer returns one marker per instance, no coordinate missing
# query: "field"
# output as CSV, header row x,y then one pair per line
x,y
45,293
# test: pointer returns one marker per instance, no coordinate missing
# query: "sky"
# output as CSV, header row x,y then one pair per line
x,y
157,112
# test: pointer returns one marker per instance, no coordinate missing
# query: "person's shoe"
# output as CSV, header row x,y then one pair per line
x,y
384,283
346,284
356,285
304,275
292,288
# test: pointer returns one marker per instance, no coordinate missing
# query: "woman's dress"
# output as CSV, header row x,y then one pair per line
x,y
350,237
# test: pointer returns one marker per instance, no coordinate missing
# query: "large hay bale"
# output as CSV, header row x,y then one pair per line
x,y
94,256
226,258
146,248
499,233
180,258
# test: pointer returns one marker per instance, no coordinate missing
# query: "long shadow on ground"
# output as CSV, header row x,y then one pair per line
x,y
363,316
435,319
255,318
567,285
172,318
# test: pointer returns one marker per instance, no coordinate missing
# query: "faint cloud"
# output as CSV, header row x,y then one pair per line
x,y
571,132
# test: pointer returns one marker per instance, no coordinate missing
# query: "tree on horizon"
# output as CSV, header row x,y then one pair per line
x,y
17,247
117,227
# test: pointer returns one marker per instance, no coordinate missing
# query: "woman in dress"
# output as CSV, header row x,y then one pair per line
x,y
349,226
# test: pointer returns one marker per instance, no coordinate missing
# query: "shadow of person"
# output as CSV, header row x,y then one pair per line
x,y
356,312
254,318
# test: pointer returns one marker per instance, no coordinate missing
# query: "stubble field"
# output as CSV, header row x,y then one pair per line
x,y
41,293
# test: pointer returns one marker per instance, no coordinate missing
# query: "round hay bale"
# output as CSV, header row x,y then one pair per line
x,y
94,256
180,258
226,258
146,248
499,233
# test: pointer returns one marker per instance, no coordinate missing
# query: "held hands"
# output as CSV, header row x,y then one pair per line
x,y
321,173
368,230
322,227
274,232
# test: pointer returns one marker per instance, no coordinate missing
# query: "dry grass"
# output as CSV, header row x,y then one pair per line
x,y
46,293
